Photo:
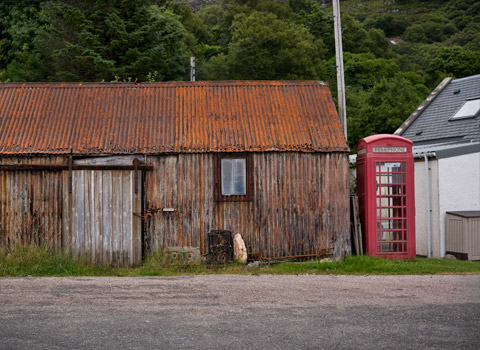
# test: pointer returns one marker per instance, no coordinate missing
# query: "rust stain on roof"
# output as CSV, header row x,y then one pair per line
x,y
172,117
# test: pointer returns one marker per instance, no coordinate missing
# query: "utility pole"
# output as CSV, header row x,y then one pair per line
x,y
192,68
342,110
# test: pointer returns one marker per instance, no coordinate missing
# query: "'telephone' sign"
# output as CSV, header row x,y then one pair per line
x,y
389,149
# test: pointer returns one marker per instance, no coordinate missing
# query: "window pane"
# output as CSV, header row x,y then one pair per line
x,y
240,177
227,176
390,224
468,110
389,167
234,179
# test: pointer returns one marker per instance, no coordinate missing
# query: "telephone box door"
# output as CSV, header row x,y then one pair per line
x,y
386,195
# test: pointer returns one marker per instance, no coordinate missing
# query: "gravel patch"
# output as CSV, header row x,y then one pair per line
x,y
237,312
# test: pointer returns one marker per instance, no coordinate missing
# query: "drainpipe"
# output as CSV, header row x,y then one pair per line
x,y
427,191
425,156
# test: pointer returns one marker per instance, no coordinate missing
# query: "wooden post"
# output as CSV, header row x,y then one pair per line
x,y
342,113
192,68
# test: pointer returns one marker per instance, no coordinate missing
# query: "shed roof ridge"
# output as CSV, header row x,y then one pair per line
x,y
170,84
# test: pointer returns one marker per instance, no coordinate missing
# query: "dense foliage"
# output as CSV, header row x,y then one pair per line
x,y
395,51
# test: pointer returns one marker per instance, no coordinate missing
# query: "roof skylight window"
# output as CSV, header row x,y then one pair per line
x,y
470,109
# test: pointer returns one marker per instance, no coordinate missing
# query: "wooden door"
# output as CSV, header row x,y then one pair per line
x,y
99,219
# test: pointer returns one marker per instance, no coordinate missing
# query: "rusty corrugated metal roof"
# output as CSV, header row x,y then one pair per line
x,y
173,117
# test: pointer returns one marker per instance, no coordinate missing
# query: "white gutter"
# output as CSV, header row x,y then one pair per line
x,y
427,200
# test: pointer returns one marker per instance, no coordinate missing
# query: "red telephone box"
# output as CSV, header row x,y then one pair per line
x,y
385,188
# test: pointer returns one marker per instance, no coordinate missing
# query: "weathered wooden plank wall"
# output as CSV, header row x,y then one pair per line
x,y
99,220
30,204
182,183
300,203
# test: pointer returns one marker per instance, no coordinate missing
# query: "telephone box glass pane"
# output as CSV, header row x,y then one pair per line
x,y
391,206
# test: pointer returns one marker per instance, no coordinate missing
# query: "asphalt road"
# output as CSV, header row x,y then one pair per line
x,y
241,312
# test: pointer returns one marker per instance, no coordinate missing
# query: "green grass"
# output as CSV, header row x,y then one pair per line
x,y
38,261
41,261
365,265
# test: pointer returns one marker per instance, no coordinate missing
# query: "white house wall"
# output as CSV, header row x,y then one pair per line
x,y
421,208
459,185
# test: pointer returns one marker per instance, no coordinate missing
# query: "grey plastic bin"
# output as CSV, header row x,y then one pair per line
x,y
463,234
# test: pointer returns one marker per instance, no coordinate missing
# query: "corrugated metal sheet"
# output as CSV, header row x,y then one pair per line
x,y
300,203
31,205
174,117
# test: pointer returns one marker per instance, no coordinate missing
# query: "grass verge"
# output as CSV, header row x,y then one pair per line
x,y
366,265
38,261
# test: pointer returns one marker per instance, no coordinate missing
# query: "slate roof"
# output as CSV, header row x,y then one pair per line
x,y
430,123
170,117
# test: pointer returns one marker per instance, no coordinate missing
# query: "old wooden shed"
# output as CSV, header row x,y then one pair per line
x,y
110,170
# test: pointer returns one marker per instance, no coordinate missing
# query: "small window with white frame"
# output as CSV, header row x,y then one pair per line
x,y
470,109
233,177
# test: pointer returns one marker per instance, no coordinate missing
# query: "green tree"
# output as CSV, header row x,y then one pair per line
x,y
219,17
26,65
385,107
265,47
456,62
19,26
318,23
104,40
469,37
364,70
462,12
197,33
301,5
415,33
432,28
217,21
357,39
392,24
